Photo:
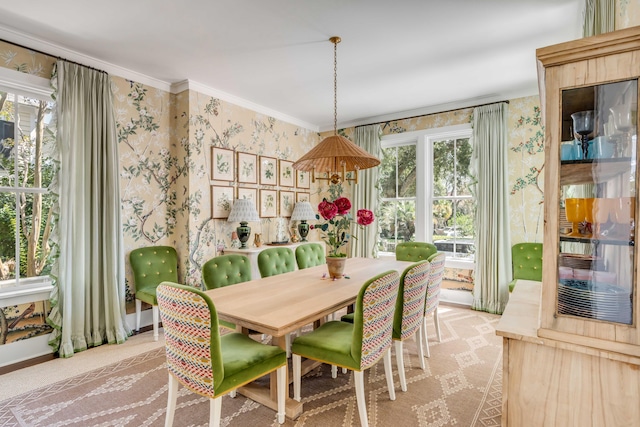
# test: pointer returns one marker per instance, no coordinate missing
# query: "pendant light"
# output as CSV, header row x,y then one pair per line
x,y
335,155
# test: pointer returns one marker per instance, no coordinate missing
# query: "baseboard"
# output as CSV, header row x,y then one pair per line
x,y
26,363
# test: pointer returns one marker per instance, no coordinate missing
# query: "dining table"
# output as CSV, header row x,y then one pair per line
x,y
281,304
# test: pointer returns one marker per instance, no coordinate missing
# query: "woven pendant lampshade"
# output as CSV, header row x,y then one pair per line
x,y
335,154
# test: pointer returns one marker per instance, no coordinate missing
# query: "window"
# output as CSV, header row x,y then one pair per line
x,y
425,188
397,214
27,137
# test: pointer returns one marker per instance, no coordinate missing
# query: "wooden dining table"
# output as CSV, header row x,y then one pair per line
x,y
279,305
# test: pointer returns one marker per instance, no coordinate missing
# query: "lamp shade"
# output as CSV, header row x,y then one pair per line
x,y
243,210
332,153
302,211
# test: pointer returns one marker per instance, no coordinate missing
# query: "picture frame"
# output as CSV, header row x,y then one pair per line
x,y
303,179
268,204
287,201
221,201
247,166
268,170
302,196
222,164
248,193
287,174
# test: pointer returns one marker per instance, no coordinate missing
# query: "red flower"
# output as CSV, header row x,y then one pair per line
x,y
365,217
343,204
327,209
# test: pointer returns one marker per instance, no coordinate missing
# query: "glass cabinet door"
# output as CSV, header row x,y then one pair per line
x,y
598,202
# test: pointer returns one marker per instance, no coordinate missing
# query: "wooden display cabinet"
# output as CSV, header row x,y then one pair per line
x,y
572,343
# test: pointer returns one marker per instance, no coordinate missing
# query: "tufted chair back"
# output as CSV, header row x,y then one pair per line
x,y
226,270
151,266
526,261
310,255
274,261
415,251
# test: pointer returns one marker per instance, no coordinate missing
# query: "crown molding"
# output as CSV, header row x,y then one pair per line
x,y
236,100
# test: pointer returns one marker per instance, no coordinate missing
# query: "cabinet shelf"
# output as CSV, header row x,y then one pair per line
x,y
592,170
617,242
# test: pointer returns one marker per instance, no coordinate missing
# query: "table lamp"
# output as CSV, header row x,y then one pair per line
x,y
242,211
302,211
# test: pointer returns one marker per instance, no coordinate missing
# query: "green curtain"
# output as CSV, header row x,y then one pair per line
x,y
493,243
599,17
366,194
88,305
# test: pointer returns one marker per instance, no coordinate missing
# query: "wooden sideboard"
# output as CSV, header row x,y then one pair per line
x,y
554,383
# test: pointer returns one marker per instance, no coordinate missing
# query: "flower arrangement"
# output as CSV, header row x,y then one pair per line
x,y
336,229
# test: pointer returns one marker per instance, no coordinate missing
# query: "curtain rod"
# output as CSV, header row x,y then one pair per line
x,y
430,114
53,56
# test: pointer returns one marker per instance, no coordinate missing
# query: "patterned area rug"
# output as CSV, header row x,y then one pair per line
x,y
461,386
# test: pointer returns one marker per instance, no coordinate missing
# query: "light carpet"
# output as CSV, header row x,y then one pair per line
x,y
461,386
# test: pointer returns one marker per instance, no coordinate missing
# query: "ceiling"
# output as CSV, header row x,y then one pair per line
x,y
396,59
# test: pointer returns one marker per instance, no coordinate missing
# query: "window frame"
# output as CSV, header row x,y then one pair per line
x,y
24,289
424,139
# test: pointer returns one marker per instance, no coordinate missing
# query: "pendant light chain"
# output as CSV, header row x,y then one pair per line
x,y
335,41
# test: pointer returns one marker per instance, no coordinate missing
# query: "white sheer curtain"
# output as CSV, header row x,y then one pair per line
x,y
493,243
89,299
366,194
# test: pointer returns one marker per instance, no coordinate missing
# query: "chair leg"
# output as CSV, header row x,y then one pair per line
x,y
362,403
297,373
437,323
156,320
215,408
172,392
287,344
334,371
388,372
400,362
418,335
233,394
282,386
426,337
138,310
344,370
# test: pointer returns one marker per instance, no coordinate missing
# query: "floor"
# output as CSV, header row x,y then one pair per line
x,y
32,377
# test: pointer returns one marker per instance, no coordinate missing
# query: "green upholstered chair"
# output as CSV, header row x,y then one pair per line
x,y
409,312
310,255
151,266
436,274
415,251
526,262
205,362
358,345
226,270
274,261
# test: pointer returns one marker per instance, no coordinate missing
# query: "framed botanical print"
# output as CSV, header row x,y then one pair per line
x,y
249,193
221,201
268,204
302,179
302,197
287,174
287,200
247,168
222,164
268,171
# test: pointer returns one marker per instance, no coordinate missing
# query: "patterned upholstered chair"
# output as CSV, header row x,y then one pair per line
x,y
226,270
415,251
205,362
310,255
275,261
526,259
356,346
409,312
151,266
433,295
